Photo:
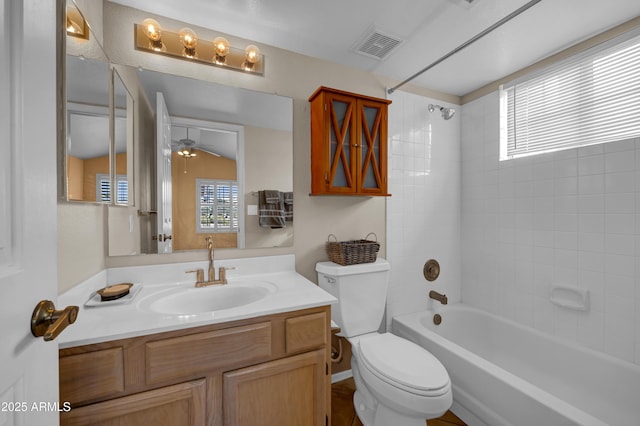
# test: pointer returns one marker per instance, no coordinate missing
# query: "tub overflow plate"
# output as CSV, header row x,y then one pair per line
x,y
431,270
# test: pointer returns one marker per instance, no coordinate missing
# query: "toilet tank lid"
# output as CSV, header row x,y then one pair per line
x,y
333,269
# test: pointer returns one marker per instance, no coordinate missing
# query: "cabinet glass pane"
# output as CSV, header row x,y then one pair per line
x,y
340,148
370,141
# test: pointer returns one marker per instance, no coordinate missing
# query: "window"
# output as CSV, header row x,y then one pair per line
x,y
591,98
216,206
103,189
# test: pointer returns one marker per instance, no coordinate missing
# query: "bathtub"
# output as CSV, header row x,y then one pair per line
x,y
504,373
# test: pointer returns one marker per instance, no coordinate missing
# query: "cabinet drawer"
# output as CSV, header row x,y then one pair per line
x,y
306,332
189,356
91,375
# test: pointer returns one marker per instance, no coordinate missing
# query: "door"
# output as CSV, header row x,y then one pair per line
x,y
183,404
163,146
285,392
372,152
342,143
28,209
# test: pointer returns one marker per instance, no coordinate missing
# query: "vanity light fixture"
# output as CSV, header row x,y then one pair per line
x,y
185,44
76,25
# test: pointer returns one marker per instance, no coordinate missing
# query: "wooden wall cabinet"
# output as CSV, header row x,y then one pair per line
x,y
348,143
268,371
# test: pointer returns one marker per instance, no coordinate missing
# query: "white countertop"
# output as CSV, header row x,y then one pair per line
x,y
118,320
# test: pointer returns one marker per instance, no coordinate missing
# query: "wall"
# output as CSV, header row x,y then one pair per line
x,y
82,242
423,215
263,150
565,218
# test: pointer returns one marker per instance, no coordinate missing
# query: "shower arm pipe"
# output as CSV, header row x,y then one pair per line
x,y
467,43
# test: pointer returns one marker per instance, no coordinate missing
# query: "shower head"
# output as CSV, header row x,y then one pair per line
x,y
447,113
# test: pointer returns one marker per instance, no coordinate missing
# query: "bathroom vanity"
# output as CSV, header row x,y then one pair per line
x,y
266,363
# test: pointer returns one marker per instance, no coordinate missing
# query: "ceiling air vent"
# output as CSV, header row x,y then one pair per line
x,y
377,44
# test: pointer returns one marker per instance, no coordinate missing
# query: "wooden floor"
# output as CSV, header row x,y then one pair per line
x,y
343,413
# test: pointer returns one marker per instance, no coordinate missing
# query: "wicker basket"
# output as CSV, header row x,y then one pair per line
x,y
352,252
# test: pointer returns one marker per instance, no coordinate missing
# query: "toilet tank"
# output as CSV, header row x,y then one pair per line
x,y
361,291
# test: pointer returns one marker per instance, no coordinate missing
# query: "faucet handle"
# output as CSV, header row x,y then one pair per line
x,y
199,274
222,273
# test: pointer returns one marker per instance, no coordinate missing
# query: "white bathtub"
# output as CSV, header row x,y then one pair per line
x,y
506,374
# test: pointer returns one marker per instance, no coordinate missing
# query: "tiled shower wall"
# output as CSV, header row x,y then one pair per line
x,y
565,218
423,212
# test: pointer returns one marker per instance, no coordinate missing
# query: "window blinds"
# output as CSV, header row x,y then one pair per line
x,y
218,206
591,98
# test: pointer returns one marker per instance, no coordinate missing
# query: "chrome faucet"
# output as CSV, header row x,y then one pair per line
x,y
442,298
222,276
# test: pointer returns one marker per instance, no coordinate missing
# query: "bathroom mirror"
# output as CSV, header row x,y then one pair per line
x,y
95,160
243,144
264,159
86,147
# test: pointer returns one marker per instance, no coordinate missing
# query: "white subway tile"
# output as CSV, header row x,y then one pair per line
x,y
591,184
591,223
619,161
620,223
621,202
591,165
591,242
620,182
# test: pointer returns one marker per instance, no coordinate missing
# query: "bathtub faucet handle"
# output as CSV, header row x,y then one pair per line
x,y
442,298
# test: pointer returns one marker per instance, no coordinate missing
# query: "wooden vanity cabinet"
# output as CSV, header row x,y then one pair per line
x,y
271,371
348,143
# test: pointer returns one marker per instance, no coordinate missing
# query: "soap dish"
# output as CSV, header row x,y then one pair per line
x,y
114,292
118,294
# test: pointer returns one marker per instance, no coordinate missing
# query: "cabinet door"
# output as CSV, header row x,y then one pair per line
x,y
286,392
177,405
340,126
372,149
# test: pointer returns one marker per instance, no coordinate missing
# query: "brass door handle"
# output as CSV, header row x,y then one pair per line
x,y
48,323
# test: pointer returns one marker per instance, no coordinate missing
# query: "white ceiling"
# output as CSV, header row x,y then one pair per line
x,y
329,29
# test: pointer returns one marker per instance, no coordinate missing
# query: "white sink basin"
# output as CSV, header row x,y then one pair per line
x,y
183,300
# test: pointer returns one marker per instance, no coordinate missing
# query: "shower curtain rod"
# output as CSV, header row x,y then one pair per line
x,y
467,43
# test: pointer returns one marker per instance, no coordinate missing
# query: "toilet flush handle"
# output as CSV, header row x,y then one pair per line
x,y
330,280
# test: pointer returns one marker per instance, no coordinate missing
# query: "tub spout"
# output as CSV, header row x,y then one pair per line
x,y
442,298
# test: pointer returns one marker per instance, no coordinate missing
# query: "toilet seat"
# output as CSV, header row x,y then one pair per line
x,y
404,365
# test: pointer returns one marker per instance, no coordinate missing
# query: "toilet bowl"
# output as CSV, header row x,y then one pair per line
x,y
398,383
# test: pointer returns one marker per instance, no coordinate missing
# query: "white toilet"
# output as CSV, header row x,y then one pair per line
x,y
398,383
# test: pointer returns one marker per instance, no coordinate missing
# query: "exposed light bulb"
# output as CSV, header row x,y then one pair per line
x,y
222,47
252,57
72,27
154,33
189,40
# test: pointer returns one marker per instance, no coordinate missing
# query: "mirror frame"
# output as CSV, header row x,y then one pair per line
x,y
129,141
